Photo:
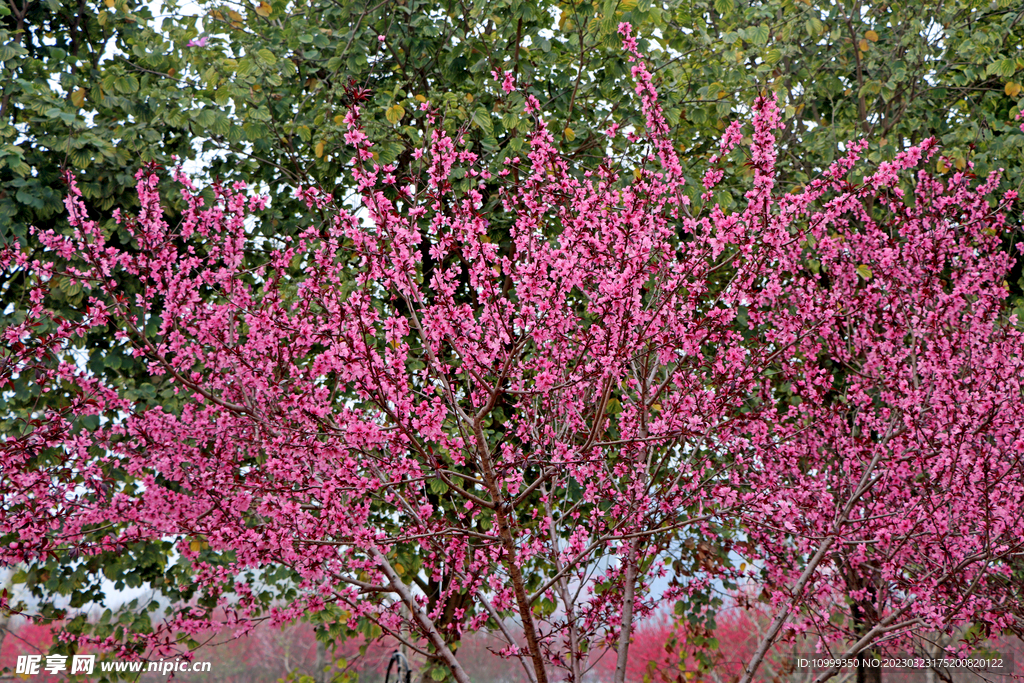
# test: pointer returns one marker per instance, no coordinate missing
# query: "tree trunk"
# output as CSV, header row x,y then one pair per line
x,y
628,598
320,670
934,652
865,672
865,616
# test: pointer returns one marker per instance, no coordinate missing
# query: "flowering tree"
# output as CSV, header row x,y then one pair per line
x,y
29,639
440,427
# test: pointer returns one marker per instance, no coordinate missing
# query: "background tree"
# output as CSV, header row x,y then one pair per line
x,y
257,91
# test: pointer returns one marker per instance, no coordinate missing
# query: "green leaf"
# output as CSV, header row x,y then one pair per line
x,y
724,7
864,271
483,119
267,56
394,113
126,84
221,125
1002,67
608,16
206,117
871,88
68,288
759,35
10,51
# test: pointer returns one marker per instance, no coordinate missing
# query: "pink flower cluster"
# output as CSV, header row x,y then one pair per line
x,y
395,399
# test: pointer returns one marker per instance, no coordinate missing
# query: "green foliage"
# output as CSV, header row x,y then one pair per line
x,y
887,71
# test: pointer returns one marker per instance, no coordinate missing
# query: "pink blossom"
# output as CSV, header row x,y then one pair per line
x,y
603,381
